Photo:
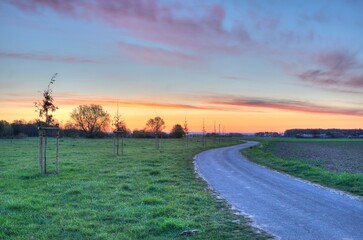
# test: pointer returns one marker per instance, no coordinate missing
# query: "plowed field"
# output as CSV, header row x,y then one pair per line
x,y
344,156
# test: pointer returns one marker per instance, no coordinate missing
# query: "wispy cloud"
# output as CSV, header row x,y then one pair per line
x,y
232,78
211,102
105,101
220,102
74,99
319,16
47,57
157,55
176,25
339,68
280,104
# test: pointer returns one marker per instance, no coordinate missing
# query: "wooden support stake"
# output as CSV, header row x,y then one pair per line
x,y
117,144
45,152
122,145
114,145
40,151
43,134
57,156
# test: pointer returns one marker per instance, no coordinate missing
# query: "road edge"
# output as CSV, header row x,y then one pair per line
x,y
249,218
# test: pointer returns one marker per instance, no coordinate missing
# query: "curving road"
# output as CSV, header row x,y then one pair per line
x,y
284,206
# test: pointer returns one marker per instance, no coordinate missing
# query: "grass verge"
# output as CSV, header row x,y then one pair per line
x,y
144,194
262,154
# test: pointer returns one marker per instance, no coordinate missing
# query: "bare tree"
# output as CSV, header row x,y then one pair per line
x,y
90,119
156,125
46,106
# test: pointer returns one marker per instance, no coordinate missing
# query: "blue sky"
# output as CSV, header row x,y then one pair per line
x,y
224,61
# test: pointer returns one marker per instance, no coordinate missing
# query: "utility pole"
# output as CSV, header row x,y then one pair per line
x,y
214,133
203,135
219,135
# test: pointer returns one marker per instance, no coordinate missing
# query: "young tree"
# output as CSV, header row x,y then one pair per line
x,y
119,124
46,106
177,131
120,129
186,131
90,119
155,125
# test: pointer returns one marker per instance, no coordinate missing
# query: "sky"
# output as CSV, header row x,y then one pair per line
x,y
245,65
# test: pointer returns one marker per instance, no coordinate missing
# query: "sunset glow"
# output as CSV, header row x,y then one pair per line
x,y
246,65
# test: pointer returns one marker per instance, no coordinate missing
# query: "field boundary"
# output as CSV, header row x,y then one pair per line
x,y
275,163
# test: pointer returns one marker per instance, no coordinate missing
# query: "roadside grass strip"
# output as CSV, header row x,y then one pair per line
x,y
314,161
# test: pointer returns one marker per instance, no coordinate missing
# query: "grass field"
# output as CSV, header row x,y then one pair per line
x,y
145,194
336,163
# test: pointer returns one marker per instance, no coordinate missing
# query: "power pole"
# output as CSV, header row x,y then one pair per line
x,y
203,134
219,135
214,133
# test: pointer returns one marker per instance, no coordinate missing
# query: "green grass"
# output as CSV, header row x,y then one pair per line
x,y
308,169
145,194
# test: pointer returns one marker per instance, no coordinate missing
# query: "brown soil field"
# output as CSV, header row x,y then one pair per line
x,y
340,156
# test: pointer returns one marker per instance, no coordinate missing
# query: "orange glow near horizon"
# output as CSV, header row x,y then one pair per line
x,y
253,119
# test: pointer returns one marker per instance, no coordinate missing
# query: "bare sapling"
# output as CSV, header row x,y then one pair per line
x,y
186,132
45,108
119,131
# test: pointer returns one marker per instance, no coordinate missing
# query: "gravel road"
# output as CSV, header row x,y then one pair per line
x,y
286,207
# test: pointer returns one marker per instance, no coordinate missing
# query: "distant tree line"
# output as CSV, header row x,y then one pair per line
x,y
267,134
22,128
324,133
18,128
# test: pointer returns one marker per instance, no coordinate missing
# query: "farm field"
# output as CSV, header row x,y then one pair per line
x,y
336,163
144,194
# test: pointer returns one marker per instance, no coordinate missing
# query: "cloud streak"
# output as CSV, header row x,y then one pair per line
x,y
139,104
224,103
70,100
157,55
339,68
281,104
234,78
46,57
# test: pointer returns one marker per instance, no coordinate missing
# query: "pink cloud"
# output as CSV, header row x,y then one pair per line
x,y
152,21
280,104
355,81
339,62
64,7
46,57
338,68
